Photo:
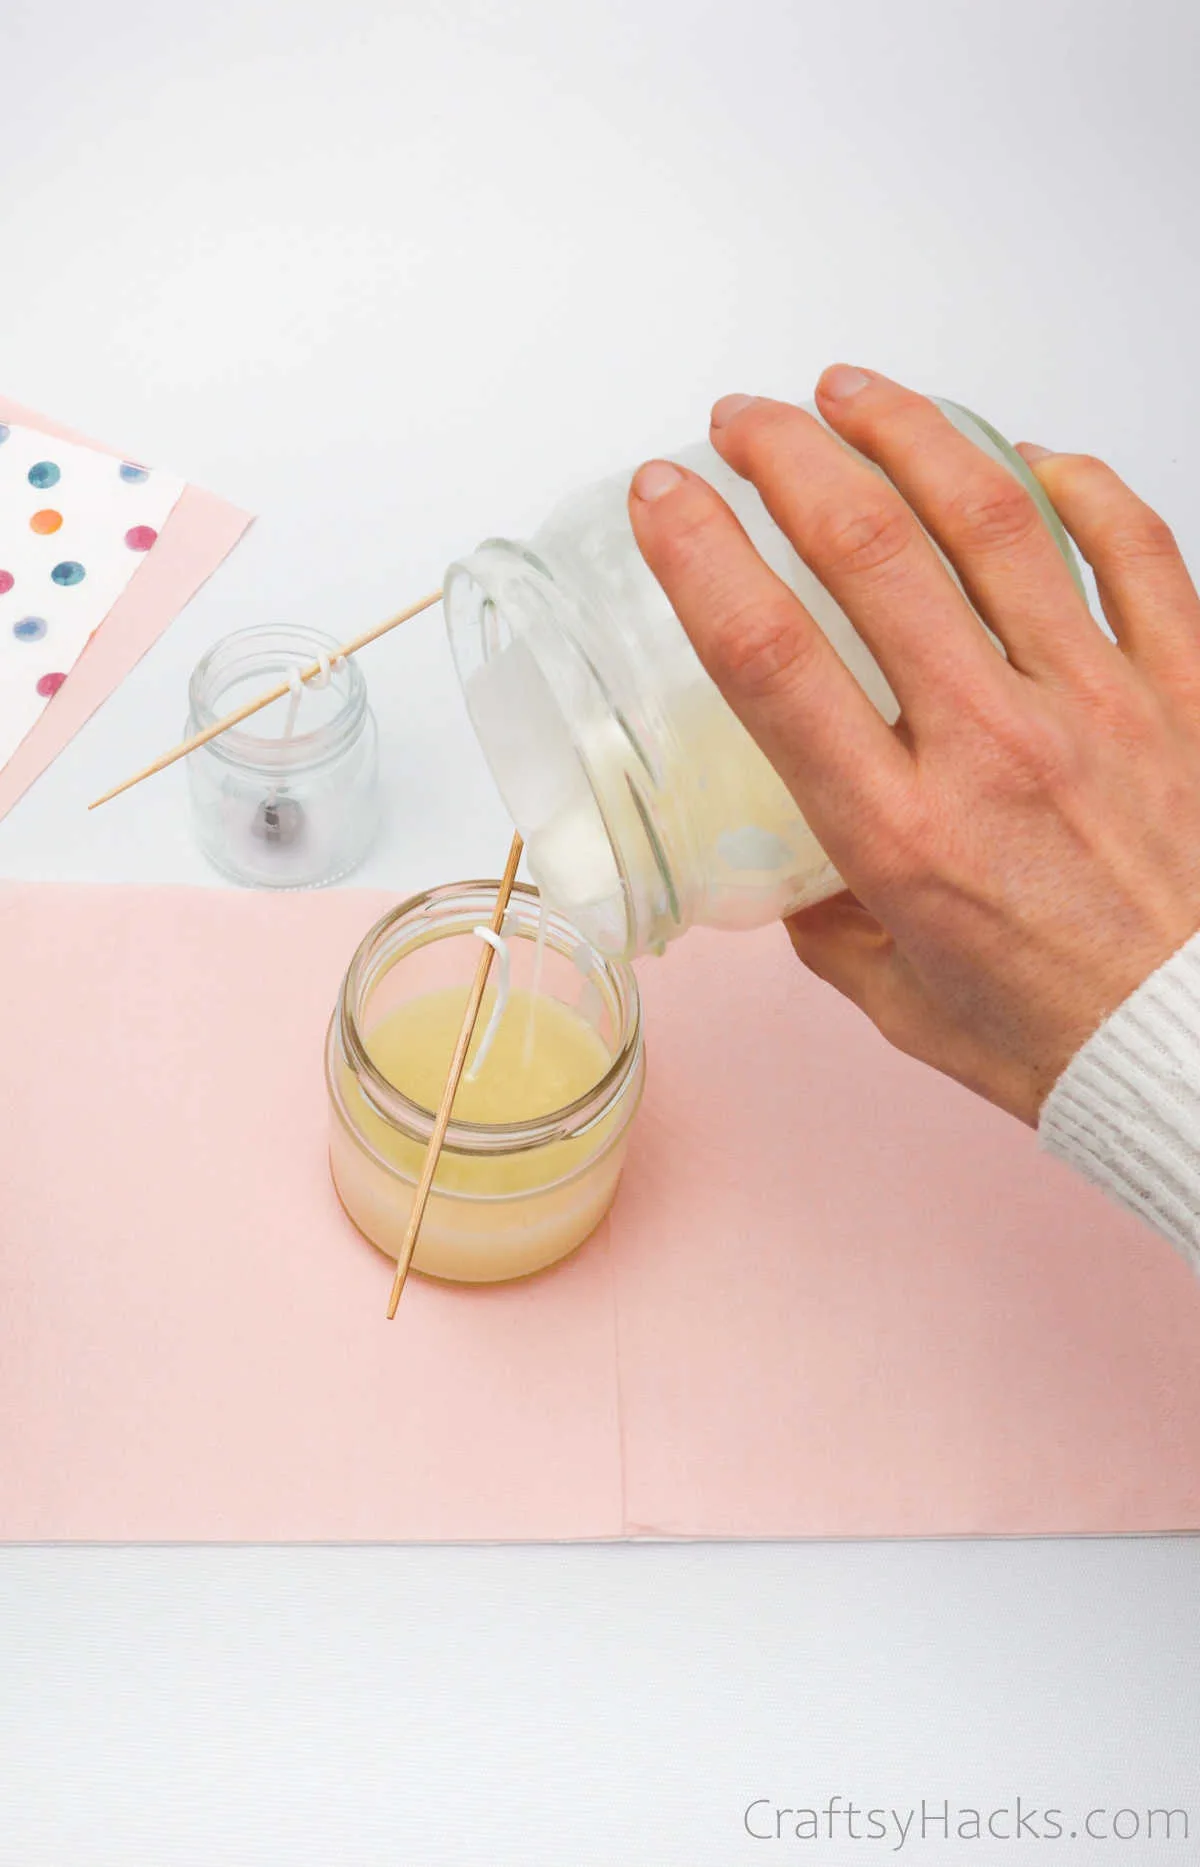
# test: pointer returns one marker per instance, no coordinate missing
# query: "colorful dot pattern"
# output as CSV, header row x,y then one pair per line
x,y
68,572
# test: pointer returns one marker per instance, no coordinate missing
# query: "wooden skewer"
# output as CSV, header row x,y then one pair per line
x,y
264,700
457,1063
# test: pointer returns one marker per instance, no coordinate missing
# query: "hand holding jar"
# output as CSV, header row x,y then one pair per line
x,y
1022,846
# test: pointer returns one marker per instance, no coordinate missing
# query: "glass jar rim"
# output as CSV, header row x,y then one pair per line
x,y
267,649
456,908
506,586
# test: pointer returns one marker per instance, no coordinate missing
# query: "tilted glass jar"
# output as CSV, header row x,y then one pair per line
x,y
274,807
509,1198
645,806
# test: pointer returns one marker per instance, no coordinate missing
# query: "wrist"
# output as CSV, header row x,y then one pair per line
x,y
1125,1111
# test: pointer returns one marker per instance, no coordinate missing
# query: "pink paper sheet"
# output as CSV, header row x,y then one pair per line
x,y
199,534
836,1295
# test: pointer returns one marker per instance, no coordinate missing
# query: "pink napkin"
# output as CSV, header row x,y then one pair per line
x,y
199,534
836,1295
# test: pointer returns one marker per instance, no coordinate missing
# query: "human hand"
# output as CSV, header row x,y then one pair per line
x,y
1023,847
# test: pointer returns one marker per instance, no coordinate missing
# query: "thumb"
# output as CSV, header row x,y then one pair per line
x,y
843,944
847,947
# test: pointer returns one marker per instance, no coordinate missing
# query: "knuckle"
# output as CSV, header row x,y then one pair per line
x,y
1080,473
903,858
1079,467
996,516
863,543
1132,529
1080,482
760,648
1119,711
1092,475
1033,753
1141,537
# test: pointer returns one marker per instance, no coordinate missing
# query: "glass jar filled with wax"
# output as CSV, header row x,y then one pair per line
x,y
289,800
542,1117
645,806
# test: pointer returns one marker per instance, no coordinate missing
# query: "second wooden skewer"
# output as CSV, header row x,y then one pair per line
x,y
457,1064
264,700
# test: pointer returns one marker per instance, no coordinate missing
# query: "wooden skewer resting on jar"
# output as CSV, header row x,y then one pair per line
x,y
457,1064
264,700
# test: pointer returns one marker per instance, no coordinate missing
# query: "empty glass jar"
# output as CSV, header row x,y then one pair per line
x,y
645,806
290,799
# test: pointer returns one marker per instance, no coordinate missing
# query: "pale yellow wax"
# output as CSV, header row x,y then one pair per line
x,y
743,854
489,1217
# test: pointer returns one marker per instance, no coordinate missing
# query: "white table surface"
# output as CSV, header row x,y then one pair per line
x,y
392,275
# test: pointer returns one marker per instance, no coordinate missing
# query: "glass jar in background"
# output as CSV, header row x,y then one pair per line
x,y
508,1198
645,806
274,808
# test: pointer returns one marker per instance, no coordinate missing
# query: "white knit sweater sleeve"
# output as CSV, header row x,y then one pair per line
x,y
1126,1110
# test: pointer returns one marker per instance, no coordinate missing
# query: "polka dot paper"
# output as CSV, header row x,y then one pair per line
x,y
76,526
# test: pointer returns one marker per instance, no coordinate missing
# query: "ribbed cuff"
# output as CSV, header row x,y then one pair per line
x,y
1126,1110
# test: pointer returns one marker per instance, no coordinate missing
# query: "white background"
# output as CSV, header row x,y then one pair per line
x,y
393,276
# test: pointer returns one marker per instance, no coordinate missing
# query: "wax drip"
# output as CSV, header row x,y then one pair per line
x,y
500,948
280,818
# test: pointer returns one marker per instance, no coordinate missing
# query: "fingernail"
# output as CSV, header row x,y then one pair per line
x,y
729,406
1030,451
656,478
841,382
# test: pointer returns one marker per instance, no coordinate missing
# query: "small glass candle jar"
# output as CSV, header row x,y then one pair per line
x,y
290,799
510,1196
645,806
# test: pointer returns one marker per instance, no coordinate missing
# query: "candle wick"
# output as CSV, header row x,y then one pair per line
x,y
269,821
500,948
295,695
